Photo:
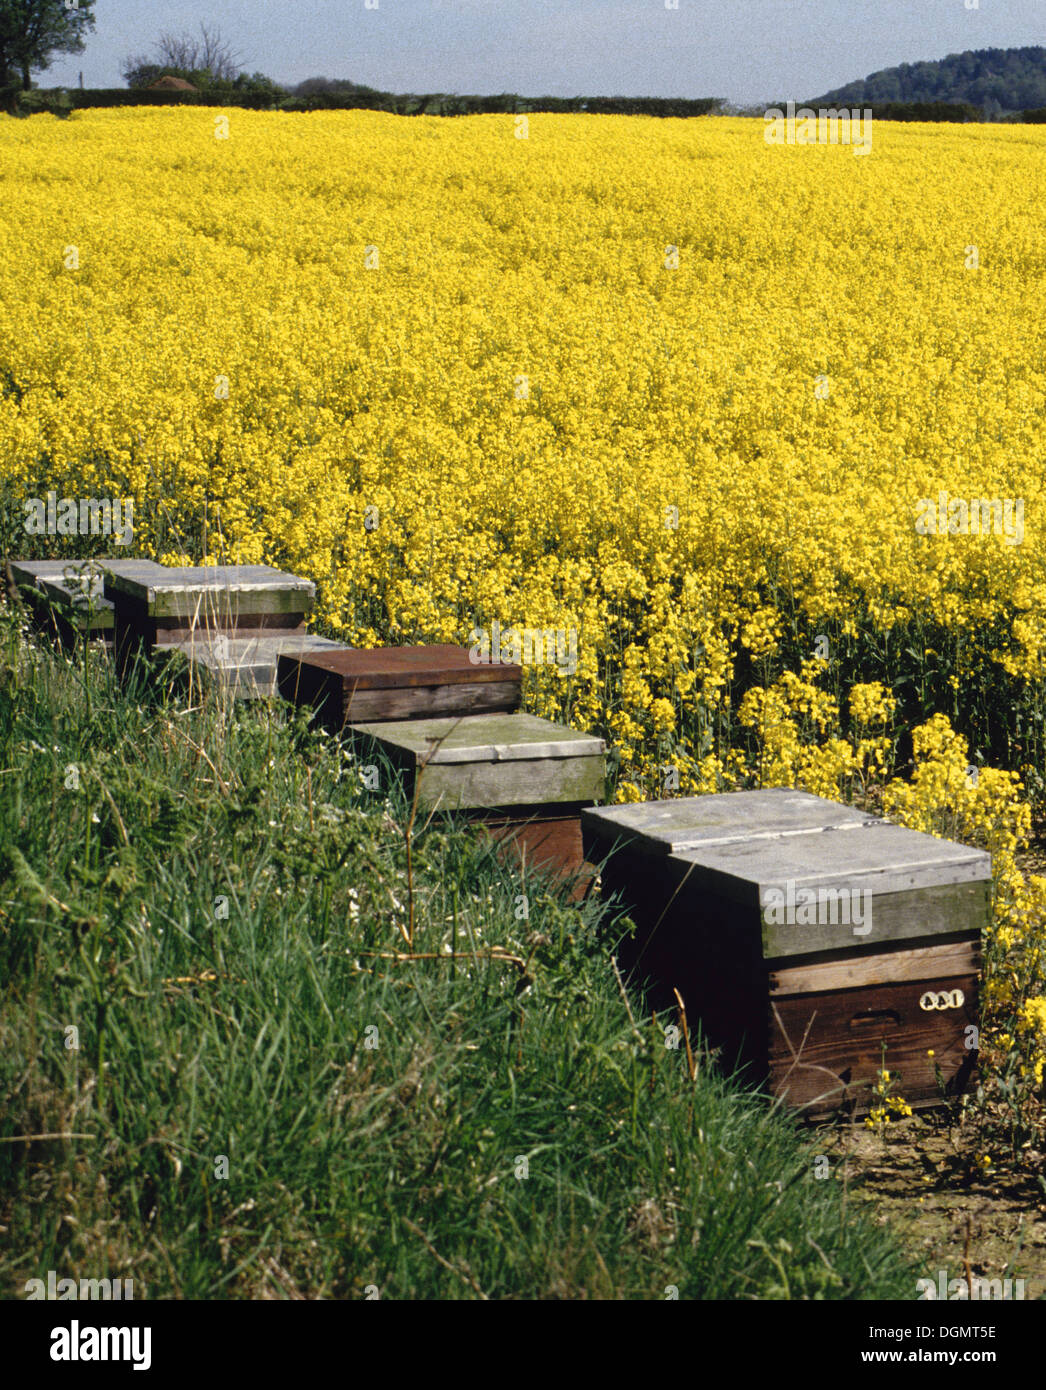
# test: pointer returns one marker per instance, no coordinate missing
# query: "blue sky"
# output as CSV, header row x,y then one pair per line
x,y
745,50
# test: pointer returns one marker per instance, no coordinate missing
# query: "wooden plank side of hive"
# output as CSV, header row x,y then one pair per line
x,y
513,782
939,910
422,701
836,1040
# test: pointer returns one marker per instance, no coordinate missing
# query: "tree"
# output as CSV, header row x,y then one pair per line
x,y
139,72
210,51
31,31
184,55
258,84
319,86
999,80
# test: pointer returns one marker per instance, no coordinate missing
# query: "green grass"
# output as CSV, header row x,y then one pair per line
x,y
436,1128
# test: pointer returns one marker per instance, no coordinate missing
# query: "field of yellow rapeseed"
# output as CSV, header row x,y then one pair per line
x,y
697,399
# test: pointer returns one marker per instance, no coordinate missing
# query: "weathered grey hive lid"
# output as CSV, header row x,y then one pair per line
x,y
246,665
797,869
831,891
483,738
668,827
196,592
210,578
32,571
223,653
58,580
875,858
59,576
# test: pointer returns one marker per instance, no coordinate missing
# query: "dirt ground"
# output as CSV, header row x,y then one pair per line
x,y
922,1178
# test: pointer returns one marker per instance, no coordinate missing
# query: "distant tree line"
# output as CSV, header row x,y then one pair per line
x,y
881,110
992,84
256,93
309,96
924,111
988,85
1000,82
260,93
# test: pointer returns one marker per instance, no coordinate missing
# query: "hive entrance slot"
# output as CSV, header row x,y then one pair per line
x,y
870,1017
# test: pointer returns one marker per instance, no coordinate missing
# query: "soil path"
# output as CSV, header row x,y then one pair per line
x,y
923,1179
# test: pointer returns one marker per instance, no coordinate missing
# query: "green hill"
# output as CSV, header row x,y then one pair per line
x,y
997,79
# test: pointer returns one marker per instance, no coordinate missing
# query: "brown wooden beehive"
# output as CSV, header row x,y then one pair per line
x,y
396,683
805,937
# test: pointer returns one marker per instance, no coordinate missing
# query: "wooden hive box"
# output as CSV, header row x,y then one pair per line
x,y
804,936
237,600
245,666
526,779
396,683
58,601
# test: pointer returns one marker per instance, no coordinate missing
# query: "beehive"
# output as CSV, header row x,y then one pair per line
x,y
246,667
525,778
238,600
806,937
62,604
395,683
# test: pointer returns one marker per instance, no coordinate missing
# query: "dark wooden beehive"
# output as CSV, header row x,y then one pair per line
x,y
396,683
66,605
805,937
525,779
